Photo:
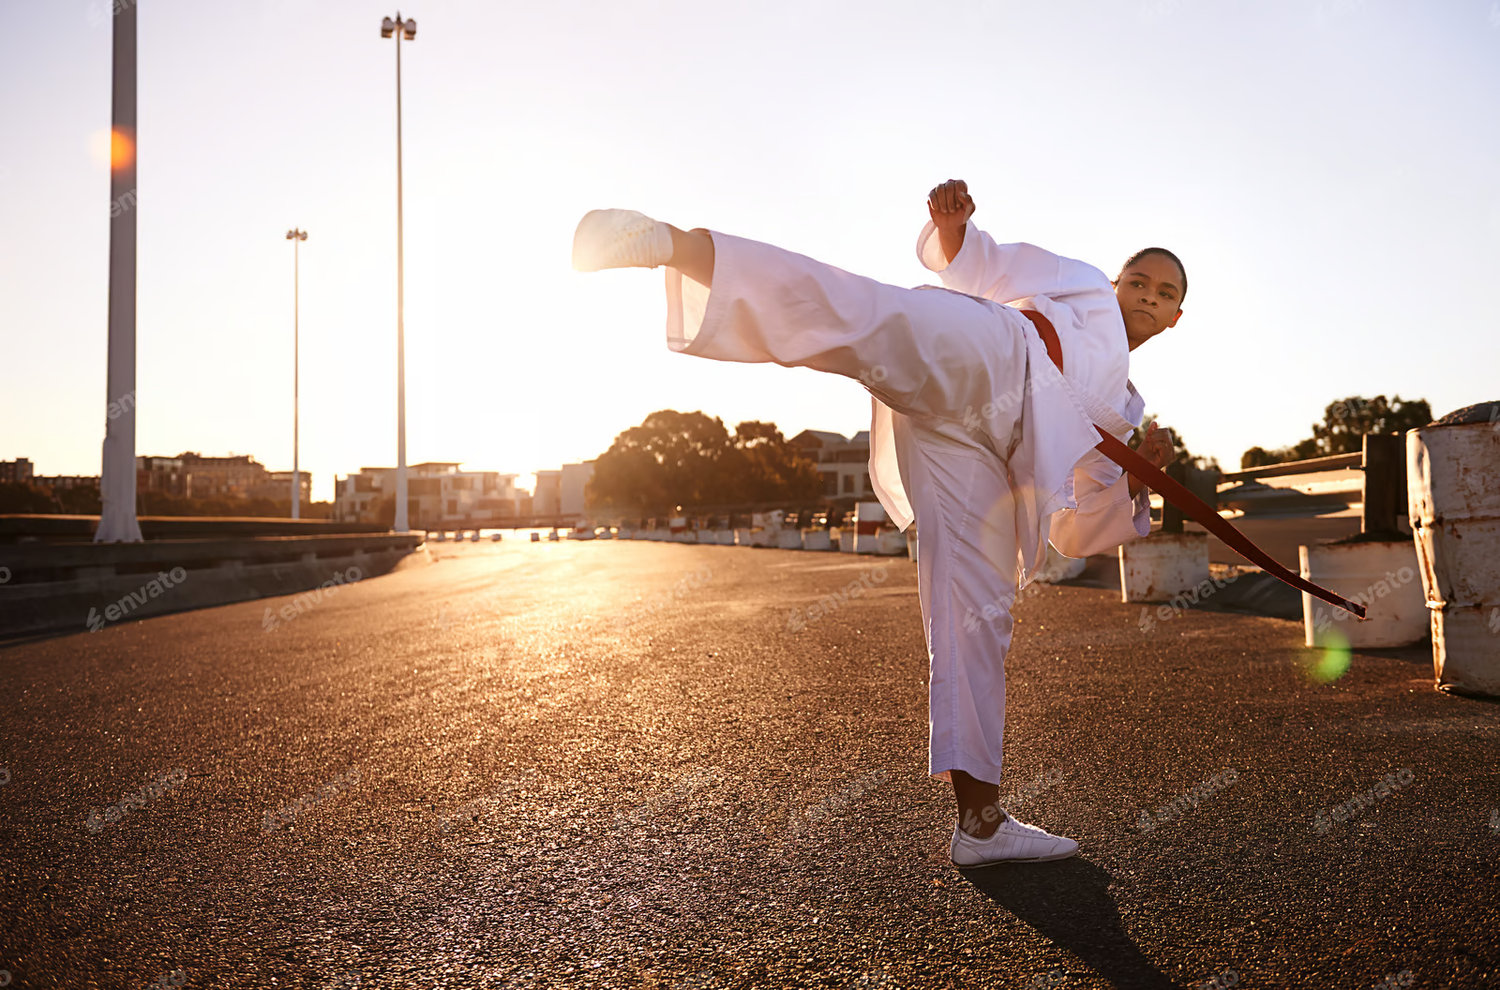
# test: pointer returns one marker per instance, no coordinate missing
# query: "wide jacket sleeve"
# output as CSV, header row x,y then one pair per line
x,y
1005,272
1106,516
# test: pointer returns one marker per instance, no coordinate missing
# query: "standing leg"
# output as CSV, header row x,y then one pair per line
x,y
967,565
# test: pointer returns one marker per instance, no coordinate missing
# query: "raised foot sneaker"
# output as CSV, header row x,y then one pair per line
x,y
620,239
1013,842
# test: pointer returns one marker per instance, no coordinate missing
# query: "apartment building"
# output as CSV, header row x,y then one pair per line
x,y
843,464
439,494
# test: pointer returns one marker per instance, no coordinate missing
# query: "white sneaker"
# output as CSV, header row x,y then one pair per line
x,y
620,239
1013,842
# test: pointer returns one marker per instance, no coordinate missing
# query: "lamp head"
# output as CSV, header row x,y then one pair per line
x,y
411,28
387,28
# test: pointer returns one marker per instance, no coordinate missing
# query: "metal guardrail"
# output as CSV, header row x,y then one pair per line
x,y
27,528
40,563
1333,462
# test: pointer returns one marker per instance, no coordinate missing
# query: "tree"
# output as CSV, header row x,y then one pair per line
x,y
675,458
765,468
1345,424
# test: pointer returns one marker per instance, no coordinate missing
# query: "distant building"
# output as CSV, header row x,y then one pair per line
x,y
843,464
17,471
547,500
438,495
573,479
278,485
220,477
160,474
58,482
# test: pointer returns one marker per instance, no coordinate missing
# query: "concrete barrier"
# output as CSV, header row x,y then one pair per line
x,y
1156,567
87,586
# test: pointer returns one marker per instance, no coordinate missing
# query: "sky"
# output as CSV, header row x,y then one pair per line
x,y
1327,170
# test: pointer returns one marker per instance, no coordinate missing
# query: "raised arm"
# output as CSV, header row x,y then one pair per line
x,y
971,261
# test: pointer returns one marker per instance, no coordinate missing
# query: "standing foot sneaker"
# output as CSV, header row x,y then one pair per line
x,y
620,239
1013,842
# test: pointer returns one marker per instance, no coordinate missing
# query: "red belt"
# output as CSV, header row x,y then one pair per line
x,y
1190,504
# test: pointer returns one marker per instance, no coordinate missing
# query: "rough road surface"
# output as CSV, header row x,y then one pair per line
x,y
646,765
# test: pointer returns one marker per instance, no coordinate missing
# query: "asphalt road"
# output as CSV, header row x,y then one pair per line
x,y
618,765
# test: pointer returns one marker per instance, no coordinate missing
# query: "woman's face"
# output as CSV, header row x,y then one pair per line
x,y
1149,292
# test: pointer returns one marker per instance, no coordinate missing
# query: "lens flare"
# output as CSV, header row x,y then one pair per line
x,y
1330,660
121,149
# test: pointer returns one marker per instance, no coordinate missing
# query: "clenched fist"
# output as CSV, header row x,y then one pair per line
x,y
950,207
1157,447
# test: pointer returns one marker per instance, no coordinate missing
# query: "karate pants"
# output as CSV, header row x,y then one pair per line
x,y
930,355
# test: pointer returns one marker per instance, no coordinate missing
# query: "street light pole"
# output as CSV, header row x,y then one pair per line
x,y
296,236
117,519
398,27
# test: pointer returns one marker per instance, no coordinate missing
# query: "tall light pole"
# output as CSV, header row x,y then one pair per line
x,y
117,521
296,237
398,27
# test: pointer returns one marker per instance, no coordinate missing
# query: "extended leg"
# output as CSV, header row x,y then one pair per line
x,y
924,352
693,254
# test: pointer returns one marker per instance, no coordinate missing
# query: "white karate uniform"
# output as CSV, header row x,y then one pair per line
x,y
974,434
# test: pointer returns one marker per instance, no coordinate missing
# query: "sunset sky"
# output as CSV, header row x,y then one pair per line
x,y
1329,172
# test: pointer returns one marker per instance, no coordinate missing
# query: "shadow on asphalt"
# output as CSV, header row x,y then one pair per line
x,y
1068,901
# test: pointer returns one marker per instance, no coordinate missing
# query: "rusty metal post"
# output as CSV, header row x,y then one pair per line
x,y
1171,516
1384,484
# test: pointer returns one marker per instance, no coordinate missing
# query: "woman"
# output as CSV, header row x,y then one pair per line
x,y
977,434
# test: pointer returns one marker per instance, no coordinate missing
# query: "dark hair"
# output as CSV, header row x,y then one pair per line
x,y
1155,250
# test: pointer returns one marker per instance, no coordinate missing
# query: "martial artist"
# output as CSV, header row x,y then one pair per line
x,y
976,435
